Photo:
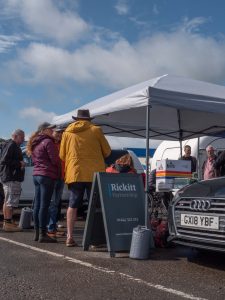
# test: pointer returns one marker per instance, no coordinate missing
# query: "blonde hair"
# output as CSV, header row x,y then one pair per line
x,y
125,160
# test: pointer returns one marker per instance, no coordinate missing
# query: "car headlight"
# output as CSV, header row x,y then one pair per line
x,y
179,193
176,196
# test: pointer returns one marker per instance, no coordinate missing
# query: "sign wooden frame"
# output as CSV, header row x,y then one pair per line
x,y
116,206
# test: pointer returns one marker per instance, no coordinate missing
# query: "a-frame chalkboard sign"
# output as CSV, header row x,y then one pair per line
x,y
116,206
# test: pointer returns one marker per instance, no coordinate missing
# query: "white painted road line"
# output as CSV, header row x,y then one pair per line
x,y
106,270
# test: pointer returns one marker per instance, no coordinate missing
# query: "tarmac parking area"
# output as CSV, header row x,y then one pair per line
x,y
47,271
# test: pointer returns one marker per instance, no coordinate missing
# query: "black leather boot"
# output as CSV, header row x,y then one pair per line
x,y
44,238
36,234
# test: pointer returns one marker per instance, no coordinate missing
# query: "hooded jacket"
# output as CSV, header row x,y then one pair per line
x,y
45,157
83,149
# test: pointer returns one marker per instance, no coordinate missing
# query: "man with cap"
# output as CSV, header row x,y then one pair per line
x,y
83,149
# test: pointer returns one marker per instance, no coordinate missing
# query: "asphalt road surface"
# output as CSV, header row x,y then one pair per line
x,y
30,270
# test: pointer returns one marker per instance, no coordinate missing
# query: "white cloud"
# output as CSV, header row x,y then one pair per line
x,y
122,7
139,23
7,42
33,117
155,9
180,52
177,53
44,18
6,93
37,115
193,25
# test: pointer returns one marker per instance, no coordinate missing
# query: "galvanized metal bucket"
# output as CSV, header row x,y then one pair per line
x,y
26,218
142,243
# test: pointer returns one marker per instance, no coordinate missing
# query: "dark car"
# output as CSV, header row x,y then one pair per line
x,y
197,215
1,196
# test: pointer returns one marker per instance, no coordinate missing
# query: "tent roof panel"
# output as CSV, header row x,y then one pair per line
x,y
180,107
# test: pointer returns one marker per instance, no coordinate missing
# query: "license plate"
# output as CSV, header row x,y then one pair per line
x,y
200,221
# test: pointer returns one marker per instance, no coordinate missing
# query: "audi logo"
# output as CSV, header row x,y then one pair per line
x,y
198,205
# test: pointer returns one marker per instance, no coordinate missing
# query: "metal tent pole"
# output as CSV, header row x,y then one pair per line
x,y
180,148
180,132
198,158
147,163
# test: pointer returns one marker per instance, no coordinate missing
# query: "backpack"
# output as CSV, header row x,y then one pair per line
x,y
2,148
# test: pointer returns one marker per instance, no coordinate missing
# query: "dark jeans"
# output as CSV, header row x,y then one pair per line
x,y
43,193
54,205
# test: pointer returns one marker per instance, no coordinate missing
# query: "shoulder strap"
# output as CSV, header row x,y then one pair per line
x,y
2,148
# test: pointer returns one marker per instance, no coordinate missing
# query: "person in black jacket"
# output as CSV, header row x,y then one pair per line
x,y
2,197
11,176
219,164
187,156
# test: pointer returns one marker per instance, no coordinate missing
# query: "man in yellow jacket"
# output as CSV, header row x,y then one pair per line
x,y
83,149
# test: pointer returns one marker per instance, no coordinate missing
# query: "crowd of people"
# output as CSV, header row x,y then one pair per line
x,y
213,166
68,155
60,155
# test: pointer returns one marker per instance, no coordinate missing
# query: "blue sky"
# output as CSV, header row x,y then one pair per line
x,y
57,55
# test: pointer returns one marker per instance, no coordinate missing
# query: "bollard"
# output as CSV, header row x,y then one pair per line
x,y
26,218
142,243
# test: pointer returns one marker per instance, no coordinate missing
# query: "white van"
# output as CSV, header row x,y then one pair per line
x,y
27,194
171,149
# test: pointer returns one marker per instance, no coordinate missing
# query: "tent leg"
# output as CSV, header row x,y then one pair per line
x,y
198,159
147,166
180,148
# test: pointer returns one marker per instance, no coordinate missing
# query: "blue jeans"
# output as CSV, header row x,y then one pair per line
x,y
54,205
43,193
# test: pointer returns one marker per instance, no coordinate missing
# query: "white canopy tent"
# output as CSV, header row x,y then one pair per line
x,y
180,108
166,108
